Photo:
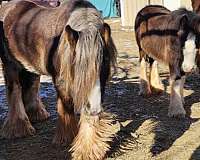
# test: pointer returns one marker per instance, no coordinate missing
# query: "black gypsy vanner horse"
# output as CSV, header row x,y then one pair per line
x,y
73,45
171,38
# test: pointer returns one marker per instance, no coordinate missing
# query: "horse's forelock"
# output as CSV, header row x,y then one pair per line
x,y
87,62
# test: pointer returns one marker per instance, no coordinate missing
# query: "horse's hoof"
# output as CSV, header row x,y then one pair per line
x,y
67,129
40,114
17,128
145,94
64,137
157,91
60,140
94,136
177,113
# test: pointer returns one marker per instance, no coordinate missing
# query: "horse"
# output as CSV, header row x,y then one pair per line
x,y
73,45
172,39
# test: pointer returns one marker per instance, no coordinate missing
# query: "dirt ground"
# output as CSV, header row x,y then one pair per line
x,y
143,130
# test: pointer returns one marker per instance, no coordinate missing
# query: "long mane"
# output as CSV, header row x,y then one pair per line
x,y
89,52
83,68
192,17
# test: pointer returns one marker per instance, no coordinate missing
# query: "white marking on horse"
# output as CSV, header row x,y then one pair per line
x,y
189,53
95,98
176,99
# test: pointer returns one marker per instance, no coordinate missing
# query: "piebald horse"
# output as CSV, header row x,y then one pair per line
x,y
72,44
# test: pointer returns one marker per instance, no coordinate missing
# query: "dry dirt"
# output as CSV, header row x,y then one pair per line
x,y
143,130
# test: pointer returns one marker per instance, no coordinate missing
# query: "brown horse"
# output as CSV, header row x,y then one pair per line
x,y
169,37
73,45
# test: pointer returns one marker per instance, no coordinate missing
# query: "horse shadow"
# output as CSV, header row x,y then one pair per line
x,y
196,154
133,111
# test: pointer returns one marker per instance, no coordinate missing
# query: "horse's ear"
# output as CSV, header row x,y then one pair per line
x,y
184,20
106,33
71,35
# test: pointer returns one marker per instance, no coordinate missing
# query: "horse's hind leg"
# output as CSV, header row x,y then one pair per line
x,y
67,125
156,84
144,79
30,83
17,123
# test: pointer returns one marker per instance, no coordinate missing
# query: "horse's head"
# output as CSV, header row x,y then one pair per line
x,y
85,60
188,40
189,54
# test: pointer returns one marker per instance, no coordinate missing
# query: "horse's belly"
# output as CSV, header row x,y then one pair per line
x,y
155,48
33,57
37,67
32,62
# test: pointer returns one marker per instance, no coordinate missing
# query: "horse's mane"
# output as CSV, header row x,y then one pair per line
x,y
89,53
192,18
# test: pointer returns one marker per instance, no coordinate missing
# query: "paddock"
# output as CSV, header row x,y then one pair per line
x,y
143,129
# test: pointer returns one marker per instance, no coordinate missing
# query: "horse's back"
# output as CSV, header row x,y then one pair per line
x,y
148,12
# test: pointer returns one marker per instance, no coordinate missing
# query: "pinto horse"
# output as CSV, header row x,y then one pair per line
x,y
171,38
72,44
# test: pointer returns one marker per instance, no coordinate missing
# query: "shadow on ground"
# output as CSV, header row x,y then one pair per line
x,y
132,111
142,122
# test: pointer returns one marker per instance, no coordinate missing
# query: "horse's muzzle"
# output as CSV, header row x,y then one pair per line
x,y
188,70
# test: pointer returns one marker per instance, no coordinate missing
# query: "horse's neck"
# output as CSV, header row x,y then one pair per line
x,y
63,12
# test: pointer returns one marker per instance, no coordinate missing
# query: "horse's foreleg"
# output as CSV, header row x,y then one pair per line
x,y
30,90
17,123
95,132
144,79
67,126
156,84
176,108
